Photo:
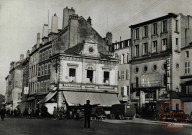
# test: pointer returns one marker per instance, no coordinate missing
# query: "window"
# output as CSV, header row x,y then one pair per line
x,y
127,74
42,70
187,54
50,52
40,57
47,54
176,25
41,86
46,69
137,33
136,70
164,44
38,87
145,48
155,28
122,75
145,31
187,67
145,69
43,56
154,46
164,26
154,68
106,77
128,90
90,76
177,43
136,50
122,91
122,59
189,89
72,74
137,81
127,58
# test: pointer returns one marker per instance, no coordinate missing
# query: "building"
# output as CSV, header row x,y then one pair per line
x,y
155,61
14,81
25,84
122,52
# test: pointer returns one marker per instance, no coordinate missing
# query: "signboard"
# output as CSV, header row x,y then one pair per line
x,y
151,80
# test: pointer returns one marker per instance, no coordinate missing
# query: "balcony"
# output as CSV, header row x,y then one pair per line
x,y
148,85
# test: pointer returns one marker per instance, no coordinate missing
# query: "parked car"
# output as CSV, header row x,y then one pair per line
x,y
174,116
123,111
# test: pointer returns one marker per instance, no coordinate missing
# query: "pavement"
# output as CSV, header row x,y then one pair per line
x,y
20,126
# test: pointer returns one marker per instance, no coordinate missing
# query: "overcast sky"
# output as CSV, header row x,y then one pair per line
x,y
21,20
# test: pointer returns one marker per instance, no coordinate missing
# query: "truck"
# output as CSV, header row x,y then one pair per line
x,y
123,111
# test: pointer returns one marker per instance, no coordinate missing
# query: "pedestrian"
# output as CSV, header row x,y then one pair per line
x,y
55,113
87,114
29,113
3,111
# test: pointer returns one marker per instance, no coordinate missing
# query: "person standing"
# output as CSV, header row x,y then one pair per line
x,y
87,114
3,113
55,113
29,113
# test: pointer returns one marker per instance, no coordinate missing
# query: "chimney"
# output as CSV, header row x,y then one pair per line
x,y
21,57
38,39
109,38
54,24
89,20
27,54
66,13
45,30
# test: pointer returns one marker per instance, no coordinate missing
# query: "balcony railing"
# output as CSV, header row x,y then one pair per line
x,y
147,85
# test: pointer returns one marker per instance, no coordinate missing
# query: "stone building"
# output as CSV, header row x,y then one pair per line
x,y
25,84
14,81
81,66
122,52
156,57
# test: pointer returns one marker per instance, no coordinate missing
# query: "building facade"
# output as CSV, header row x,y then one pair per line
x,y
156,56
122,52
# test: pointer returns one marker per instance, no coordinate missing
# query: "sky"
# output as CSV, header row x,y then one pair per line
x,y
21,20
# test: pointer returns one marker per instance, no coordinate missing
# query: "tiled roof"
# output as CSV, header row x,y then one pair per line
x,y
75,50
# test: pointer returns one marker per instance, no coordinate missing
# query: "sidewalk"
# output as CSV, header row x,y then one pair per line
x,y
145,121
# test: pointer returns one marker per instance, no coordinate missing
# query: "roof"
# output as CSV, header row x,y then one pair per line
x,y
75,50
169,15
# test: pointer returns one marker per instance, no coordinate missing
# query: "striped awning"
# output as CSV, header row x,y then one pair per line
x,y
48,97
103,99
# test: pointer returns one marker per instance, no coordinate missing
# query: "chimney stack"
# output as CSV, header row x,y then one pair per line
x,y
54,24
38,39
66,13
89,20
45,30
27,54
21,57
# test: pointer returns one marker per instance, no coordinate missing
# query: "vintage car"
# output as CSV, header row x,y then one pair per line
x,y
123,111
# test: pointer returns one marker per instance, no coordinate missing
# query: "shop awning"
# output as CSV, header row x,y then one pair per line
x,y
103,99
47,98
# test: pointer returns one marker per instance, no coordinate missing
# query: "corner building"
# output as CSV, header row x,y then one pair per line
x,y
155,65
